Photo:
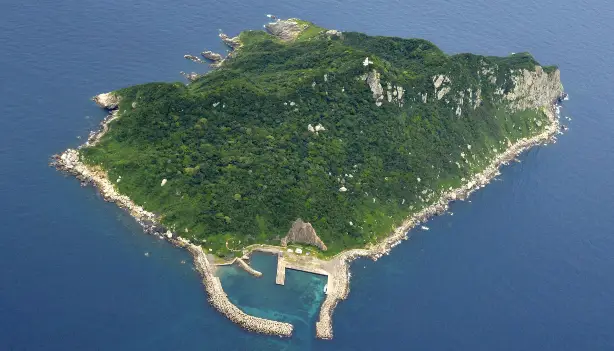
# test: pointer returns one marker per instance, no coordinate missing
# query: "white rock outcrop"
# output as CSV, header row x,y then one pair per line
x,y
443,82
108,101
286,30
373,80
232,42
534,89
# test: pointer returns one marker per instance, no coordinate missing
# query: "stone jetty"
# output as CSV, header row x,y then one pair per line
x,y
219,300
248,268
216,59
234,42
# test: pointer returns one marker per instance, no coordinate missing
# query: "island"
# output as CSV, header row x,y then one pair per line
x,y
316,145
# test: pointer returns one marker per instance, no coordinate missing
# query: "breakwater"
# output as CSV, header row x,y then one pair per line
x,y
248,268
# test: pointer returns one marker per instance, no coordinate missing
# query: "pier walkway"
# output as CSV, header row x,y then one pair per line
x,y
303,264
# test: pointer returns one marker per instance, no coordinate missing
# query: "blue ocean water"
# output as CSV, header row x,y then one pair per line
x,y
526,265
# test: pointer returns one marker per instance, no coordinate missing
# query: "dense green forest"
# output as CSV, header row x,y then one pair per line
x,y
242,165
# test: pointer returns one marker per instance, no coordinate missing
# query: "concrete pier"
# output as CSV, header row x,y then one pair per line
x,y
280,278
304,264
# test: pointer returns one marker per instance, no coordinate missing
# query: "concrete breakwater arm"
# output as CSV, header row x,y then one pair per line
x,y
248,268
219,300
338,289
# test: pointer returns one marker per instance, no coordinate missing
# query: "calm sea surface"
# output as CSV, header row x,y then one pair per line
x,y
528,264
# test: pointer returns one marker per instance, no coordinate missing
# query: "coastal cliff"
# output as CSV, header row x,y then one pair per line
x,y
355,134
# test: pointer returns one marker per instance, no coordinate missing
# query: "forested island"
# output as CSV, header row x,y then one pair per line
x,y
303,130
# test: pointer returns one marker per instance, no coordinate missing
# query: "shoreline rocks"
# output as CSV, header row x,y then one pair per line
x,y
193,58
324,326
212,56
109,101
234,42
70,162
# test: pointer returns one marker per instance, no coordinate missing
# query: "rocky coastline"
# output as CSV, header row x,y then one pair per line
x,y
324,326
69,161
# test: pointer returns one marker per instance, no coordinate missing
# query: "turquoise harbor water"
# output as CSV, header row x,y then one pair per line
x,y
297,302
526,265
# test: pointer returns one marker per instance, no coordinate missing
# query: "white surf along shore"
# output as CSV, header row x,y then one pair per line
x,y
336,268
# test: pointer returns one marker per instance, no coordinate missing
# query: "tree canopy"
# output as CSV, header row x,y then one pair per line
x,y
242,164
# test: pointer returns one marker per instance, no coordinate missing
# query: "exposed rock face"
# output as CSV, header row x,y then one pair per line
x,y
212,56
190,76
109,101
392,93
286,30
334,33
442,82
534,89
193,58
376,87
303,232
232,42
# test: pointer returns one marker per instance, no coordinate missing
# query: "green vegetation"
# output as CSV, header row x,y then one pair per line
x,y
242,166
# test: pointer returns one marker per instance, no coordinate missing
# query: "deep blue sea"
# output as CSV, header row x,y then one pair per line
x,y
528,264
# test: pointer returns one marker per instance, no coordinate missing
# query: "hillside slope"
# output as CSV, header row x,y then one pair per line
x,y
349,132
